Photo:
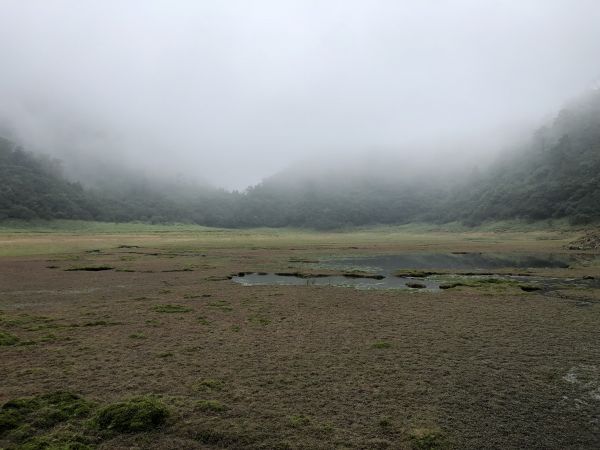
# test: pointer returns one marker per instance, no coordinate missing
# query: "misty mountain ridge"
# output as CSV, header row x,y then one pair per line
x,y
555,174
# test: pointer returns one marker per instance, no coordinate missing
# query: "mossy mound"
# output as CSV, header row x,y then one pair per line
x,y
63,440
133,415
43,411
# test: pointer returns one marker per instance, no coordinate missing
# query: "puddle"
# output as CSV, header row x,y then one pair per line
x,y
389,282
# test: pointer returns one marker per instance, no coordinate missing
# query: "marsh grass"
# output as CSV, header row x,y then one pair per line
x,y
259,320
171,309
27,322
137,336
32,238
203,320
133,415
65,421
382,344
385,422
210,384
42,412
428,439
313,380
221,305
59,440
298,421
7,339
479,283
413,273
223,438
211,405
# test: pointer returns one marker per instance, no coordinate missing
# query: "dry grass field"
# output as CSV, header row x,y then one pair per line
x,y
161,350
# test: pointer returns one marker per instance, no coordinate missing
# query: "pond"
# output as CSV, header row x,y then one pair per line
x,y
389,282
383,270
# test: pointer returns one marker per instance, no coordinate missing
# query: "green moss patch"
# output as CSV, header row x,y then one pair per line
x,y
44,411
428,439
209,384
60,440
480,283
8,339
171,309
211,405
133,415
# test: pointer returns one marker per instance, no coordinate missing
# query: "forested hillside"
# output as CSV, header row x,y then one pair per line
x,y
555,175
32,187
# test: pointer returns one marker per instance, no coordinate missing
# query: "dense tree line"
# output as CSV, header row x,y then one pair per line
x,y
33,188
556,175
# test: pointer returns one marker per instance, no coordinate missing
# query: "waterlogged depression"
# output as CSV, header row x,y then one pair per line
x,y
418,271
388,282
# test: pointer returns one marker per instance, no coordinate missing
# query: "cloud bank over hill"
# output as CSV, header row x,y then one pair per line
x,y
232,92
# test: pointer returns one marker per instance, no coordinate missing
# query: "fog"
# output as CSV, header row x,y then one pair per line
x,y
233,91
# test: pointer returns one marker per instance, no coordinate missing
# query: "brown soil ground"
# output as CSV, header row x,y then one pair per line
x,y
304,367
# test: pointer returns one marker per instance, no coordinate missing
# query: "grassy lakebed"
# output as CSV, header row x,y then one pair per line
x,y
134,336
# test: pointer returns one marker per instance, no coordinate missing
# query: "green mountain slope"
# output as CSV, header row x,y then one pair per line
x,y
556,175
32,187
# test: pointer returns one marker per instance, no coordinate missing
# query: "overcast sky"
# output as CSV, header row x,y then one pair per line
x,y
232,91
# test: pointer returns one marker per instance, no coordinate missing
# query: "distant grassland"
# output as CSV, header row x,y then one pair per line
x,y
18,238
